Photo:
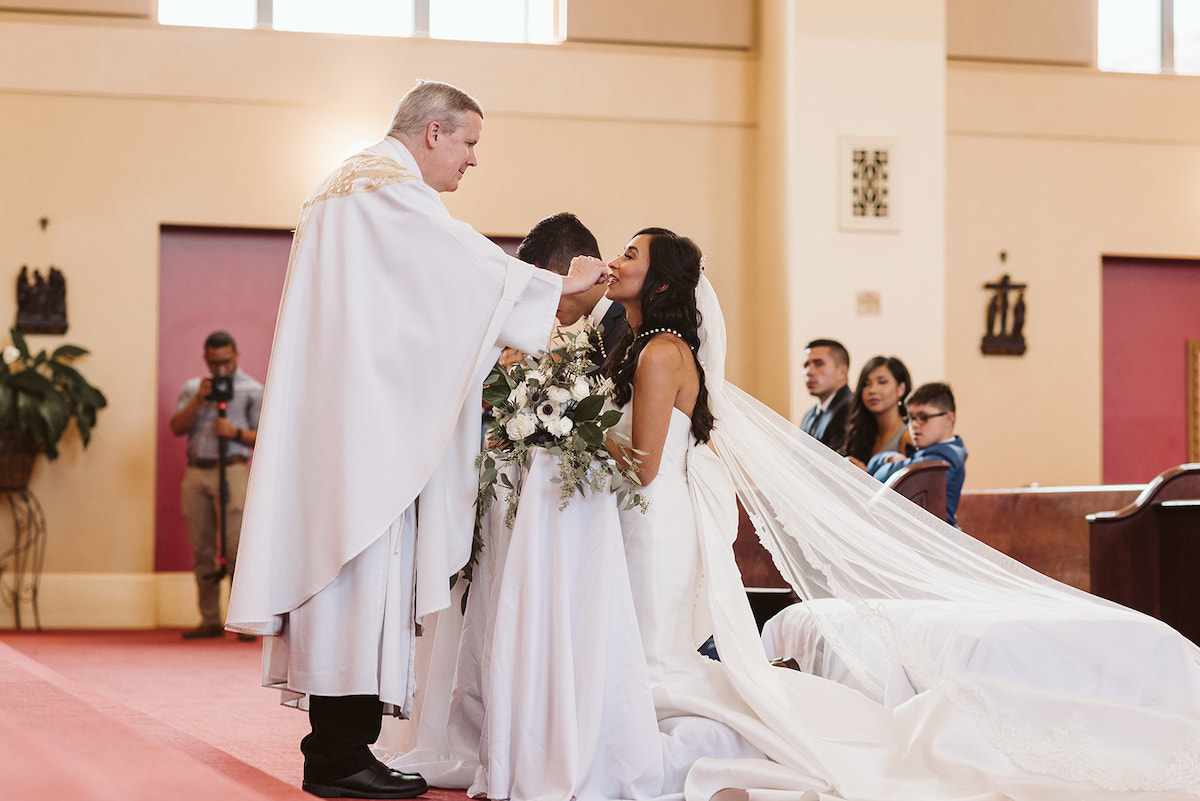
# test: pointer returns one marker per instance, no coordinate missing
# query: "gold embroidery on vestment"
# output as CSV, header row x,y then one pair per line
x,y
355,176
360,174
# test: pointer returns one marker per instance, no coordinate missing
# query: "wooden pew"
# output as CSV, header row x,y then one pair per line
x,y
765,587
923,483
1146,554
1046,528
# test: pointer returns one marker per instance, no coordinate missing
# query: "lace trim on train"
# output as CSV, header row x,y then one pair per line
x,y
1069,751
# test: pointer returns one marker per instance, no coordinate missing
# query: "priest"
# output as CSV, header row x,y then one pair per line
x,y
361,499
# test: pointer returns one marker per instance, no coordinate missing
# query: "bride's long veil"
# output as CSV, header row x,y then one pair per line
x,y
835,532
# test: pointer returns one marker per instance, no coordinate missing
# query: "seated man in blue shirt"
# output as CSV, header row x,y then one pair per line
x,y
931,424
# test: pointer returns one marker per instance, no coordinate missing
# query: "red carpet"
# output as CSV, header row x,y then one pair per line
x,y
144,715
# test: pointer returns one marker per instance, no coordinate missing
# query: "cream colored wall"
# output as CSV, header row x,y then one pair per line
x,y
131,126
713,23
852,68
1058,167
1060,32
130,8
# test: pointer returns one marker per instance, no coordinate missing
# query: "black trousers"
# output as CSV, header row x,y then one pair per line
x,y
343,729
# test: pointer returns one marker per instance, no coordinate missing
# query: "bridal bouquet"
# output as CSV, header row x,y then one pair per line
x,y
553,404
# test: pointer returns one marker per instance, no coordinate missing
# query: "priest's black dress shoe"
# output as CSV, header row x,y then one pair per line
x,y
205,631
374,781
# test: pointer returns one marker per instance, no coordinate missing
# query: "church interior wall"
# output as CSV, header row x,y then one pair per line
x,y
110,149
1056,165
876,291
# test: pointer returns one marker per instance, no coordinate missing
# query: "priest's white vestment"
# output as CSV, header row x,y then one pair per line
x,y
392,314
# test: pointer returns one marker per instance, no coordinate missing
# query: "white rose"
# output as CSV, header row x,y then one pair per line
x,y
558,395
519,396
560,427
519,427
580,389
11,354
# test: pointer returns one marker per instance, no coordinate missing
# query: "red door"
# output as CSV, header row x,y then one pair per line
x,y
1151,308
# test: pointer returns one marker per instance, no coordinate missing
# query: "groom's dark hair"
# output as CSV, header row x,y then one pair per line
x,y
554,241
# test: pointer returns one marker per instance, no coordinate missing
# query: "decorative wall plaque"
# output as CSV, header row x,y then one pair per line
x,y
869,196
1005,334
41,302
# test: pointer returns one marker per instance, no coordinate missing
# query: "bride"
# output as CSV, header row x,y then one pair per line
x,y
872,569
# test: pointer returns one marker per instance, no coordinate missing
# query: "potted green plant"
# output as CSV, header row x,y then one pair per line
x,y
39,397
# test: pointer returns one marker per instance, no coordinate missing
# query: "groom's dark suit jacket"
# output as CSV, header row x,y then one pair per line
x,y
613,325
831,426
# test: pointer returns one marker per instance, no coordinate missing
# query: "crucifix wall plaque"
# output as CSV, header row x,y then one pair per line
x,y
1005,333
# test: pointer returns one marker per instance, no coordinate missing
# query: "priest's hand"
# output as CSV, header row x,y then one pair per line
x,y
586,272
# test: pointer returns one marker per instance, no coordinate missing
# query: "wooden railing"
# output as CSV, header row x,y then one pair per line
x,y
1146,555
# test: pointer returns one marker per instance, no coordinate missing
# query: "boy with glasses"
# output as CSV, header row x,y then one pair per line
x,y
931,425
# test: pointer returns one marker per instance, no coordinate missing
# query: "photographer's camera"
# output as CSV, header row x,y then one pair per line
x,y
221,389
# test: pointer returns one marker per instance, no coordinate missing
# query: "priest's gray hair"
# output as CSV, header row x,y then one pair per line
x,y
431,101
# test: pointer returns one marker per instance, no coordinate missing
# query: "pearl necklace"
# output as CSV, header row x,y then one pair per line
x,y
598,331
654,331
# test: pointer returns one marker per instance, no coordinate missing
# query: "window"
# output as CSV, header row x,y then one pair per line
x,y
209,13
369,17
1149,36
480,20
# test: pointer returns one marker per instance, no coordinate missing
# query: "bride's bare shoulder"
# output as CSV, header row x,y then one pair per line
x,y
666,351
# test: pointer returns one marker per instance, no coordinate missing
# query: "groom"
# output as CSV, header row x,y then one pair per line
x,y
551,245
371,408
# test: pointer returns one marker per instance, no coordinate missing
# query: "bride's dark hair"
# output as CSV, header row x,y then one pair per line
x,y
668,300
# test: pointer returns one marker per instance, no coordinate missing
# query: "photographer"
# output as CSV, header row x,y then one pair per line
x,y
219,414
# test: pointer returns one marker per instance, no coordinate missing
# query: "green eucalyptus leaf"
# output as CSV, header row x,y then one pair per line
x,y
591,435
588,408
610,418
496,395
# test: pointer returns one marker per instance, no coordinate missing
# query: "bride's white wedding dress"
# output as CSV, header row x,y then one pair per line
x,y
740,722
1075,701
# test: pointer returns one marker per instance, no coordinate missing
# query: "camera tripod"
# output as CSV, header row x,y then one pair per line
x,y
223,494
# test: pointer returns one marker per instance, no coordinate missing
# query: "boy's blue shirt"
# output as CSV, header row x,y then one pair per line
x,y
952,451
